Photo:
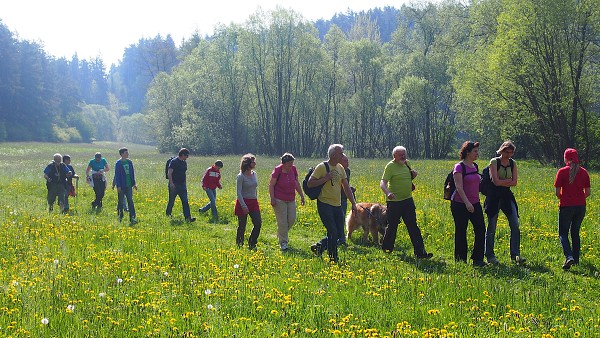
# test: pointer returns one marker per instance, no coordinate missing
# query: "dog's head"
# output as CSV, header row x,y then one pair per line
x,y
379,212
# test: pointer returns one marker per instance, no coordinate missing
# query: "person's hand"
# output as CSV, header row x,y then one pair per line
x,y
391,196
273,201
470,207
135,187
172,185
118,189
204,188
245,210
302,201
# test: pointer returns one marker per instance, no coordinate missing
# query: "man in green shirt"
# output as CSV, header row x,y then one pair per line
x,y
396,184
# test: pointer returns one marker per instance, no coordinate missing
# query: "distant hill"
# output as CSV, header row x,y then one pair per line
x,y
387,19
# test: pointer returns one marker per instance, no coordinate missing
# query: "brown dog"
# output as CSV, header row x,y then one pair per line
x,y
371,217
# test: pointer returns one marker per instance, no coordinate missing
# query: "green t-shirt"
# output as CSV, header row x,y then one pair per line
x,y
399,180
127,168
504,173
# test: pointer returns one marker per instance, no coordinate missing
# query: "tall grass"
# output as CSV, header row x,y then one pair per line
x,y
88,275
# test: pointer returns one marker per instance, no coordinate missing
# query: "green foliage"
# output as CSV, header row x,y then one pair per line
x,y
90,275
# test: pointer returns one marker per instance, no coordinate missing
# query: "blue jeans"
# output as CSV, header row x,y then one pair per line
x,y
569,220
333,220
515,233
461,221
181,191
212,204
126,194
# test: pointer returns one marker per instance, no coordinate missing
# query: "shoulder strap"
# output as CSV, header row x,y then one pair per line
x,y
464,168
326,166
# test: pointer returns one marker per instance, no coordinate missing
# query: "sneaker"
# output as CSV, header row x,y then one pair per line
x,y
283,246
519,259
427,255
568,262
493,260
479,264
201,211
190,219
133,221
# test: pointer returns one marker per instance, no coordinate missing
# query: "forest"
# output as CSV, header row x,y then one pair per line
x,y
426,76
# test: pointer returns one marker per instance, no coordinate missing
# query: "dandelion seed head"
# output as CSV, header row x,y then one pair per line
x,y
70,307
119,280
166,274
102,295
236,266
209,306
45,321
207,292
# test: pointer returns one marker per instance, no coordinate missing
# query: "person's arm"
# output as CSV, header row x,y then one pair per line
x,y
587,192
170,176
272,183
106,167
383,184
349,193
458,183
557,192
238,187
299,190
87,170
315,182
133,182
205,178
46,176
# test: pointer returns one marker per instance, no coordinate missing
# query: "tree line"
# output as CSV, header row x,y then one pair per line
x,y
488,70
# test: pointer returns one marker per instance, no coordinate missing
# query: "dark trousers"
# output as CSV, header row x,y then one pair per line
x,y
333,220
126,193
569,221
181,191
404,210
99,190
55,191
241,230
461,221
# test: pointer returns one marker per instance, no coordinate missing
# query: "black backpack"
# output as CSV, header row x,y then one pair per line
x,y
167,166
449,186
485,184
313,192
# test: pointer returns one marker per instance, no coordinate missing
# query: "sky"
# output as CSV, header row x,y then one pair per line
x,y
106,27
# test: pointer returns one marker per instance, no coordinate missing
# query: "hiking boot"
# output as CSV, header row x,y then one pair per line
x,y
568,263
133,221
283,246
493,260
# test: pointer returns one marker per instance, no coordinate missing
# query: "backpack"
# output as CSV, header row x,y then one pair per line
x,y
449,187
167,166
313,192
485,184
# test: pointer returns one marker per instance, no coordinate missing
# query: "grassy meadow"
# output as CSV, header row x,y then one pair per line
x,y
88,275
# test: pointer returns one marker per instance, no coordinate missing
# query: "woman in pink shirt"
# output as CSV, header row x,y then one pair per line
x,y
572,187
465,205
282,188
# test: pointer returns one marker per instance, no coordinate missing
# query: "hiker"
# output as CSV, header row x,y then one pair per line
x,y
572,188
396,184
69,188
503,173
465,205
211,180
96,177
283,186
55,174
176,173
125,182
247,202
332,177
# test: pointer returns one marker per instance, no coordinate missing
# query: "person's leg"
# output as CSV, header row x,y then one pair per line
x,y
291,214
280,210
339,225
575,229
66,205
479,230
256,225
461,221
171,203
213,204
241,230
393,216
565,216
101,191
409,216
327,215
515,232
120,198
183,195
52,193
129,199
490,234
